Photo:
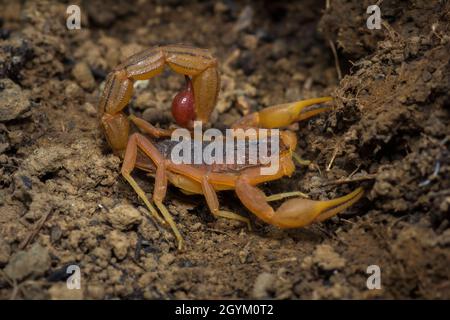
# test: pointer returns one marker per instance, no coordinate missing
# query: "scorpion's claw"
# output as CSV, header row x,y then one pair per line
x,y
299,212
294,213
282,115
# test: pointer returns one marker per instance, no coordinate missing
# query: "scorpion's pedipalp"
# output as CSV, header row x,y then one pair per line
x,y
254,199
283,195
299,212
294,213
283,115
332,207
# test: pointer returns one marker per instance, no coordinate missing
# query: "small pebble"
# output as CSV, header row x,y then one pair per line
x,y
14,102
328,259
124,216
426,76
243,255
73,90
32,262
5,252
59,291
244,20
149,263
83,75
250,41
96,292
220,7
263,285
119,243
90,109
167,259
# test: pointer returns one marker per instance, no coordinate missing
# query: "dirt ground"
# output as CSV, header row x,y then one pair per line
x,y
63,201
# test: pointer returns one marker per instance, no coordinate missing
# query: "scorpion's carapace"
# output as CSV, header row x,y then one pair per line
x,y
196,102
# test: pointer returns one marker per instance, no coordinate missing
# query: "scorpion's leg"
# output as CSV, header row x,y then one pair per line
x,y
138,140
213,203
150,129
129,163
293,213
158,197
280,196
282,115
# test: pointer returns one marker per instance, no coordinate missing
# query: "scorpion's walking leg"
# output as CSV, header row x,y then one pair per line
x,y
150,129
139,141
213,203
282,195
159,194
128,165
293,213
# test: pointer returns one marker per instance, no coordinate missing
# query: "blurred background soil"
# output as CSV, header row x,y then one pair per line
x,y
63,202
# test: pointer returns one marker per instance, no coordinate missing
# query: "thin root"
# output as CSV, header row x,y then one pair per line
x,y
349,180
336,59
335,152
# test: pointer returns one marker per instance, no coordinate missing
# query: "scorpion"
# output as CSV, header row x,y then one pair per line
x,y
144,146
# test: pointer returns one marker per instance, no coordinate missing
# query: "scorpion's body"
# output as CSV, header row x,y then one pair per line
x,y
229,172
149,149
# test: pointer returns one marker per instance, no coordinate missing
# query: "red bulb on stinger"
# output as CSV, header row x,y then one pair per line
x,y
183,105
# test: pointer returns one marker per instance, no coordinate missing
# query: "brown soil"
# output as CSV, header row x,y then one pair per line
x,y
62,200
